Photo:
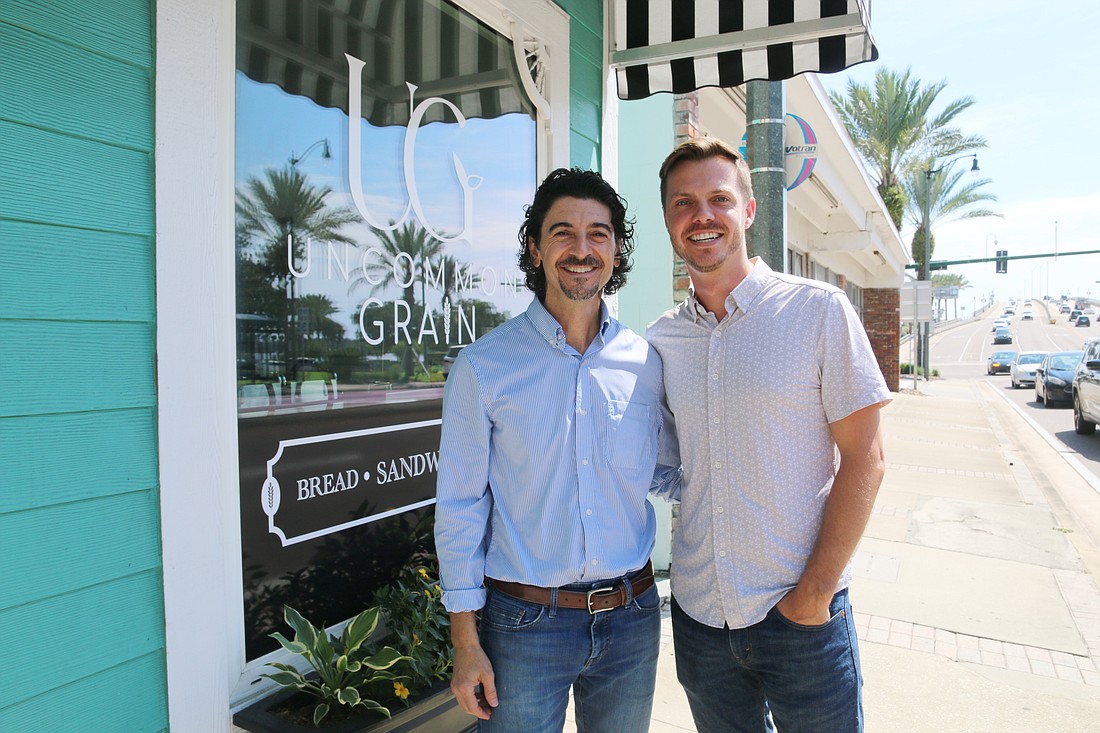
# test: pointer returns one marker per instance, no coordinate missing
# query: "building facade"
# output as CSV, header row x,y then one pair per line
x,y
241,239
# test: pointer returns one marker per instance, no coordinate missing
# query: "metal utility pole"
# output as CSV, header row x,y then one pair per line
x,y
764,111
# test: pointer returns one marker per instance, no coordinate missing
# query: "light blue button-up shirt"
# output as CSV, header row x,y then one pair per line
x,y
546,458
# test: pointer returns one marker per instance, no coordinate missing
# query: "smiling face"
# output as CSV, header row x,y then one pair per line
x,y
576,250
706,214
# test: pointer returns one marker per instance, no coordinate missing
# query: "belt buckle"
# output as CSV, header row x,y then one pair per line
x,y
595,591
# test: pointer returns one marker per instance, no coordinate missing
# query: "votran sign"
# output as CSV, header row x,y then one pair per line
x,y
799,150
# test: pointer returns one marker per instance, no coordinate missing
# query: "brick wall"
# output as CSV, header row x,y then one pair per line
x,y
685,126
882,319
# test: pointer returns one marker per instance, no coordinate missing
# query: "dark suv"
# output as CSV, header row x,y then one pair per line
x,y
1086,389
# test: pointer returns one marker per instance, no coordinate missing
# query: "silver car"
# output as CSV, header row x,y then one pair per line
x,y
1023,369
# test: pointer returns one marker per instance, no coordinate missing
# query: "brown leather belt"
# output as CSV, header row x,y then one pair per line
x,y
596,600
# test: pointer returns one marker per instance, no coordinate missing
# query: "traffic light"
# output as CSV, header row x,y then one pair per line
x,y
1002,261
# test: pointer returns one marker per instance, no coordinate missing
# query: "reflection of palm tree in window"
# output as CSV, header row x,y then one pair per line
x,y
278,216
403,254
401,262
316,322
282,207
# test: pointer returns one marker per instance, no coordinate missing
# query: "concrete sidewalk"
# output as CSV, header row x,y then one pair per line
x,y
976,595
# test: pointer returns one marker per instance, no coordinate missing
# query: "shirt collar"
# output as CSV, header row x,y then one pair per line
x,y
742,296
549,328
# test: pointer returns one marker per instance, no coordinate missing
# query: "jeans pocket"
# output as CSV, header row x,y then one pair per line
x,y
504,613
833,620
648,602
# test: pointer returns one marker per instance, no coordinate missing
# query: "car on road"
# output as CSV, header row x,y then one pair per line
x,y
1082,320
1064,308
1027,316
449,359
1089,311
1086,389
1000,323
1002,336
1073,315
1023,369
1054,378
1000,362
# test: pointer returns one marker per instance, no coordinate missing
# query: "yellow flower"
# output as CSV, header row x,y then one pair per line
x,y
428,593
423,573
437,590
399,690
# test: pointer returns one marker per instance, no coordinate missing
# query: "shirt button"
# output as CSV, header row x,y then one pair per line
x,y
583,411
721,509
722,553
584,462
717,420
717,464
714,376
595,562
588,512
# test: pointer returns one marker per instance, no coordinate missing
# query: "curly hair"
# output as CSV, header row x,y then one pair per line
x,y
581,184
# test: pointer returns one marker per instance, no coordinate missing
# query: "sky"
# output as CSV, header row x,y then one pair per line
x,y
1032,69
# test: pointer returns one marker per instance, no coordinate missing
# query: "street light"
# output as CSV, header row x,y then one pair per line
x,y
987,239
326,154
928,172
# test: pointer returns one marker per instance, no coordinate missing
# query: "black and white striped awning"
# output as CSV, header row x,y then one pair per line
x,y
299,45
682,45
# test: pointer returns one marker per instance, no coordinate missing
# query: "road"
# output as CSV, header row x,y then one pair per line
x,y
961,352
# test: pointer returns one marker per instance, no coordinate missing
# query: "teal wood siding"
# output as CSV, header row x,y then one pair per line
x,y
585,82
81,576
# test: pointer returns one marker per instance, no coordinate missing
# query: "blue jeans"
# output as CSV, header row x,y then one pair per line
x,y
807,675
538,652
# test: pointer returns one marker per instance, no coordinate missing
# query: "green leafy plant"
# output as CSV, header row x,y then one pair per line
x,y
417,625
343,669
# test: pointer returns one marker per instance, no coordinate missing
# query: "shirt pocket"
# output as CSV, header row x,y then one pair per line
x,y
632,433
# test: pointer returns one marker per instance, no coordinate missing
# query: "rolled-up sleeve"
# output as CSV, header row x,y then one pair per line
x,y
463,500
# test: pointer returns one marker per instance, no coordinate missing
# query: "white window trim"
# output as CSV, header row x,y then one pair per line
x,y
196,344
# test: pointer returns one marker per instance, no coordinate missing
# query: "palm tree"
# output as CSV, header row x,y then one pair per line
x,y
277,216
283,206
951,280
405,250
891,125
315,313
949,201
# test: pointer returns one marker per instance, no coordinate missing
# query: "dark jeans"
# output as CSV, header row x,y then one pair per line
x,y
808,675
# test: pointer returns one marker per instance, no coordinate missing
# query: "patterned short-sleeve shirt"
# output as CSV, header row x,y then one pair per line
x,y
751,398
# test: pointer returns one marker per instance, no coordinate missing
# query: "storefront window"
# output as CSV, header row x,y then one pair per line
x,y
384,154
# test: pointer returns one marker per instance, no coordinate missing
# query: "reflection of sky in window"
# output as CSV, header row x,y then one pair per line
x,y
273,125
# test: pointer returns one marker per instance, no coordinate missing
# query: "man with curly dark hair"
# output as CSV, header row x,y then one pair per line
x,y
548,450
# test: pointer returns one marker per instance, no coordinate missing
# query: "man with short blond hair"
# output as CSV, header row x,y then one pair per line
x,y
769,379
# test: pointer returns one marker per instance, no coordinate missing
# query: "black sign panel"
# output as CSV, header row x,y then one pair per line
x,y
319,485
333,504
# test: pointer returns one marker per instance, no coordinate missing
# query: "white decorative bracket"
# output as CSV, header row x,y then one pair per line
x,y
532,60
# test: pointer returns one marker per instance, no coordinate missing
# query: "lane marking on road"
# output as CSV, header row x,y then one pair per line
x,y
1061,448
